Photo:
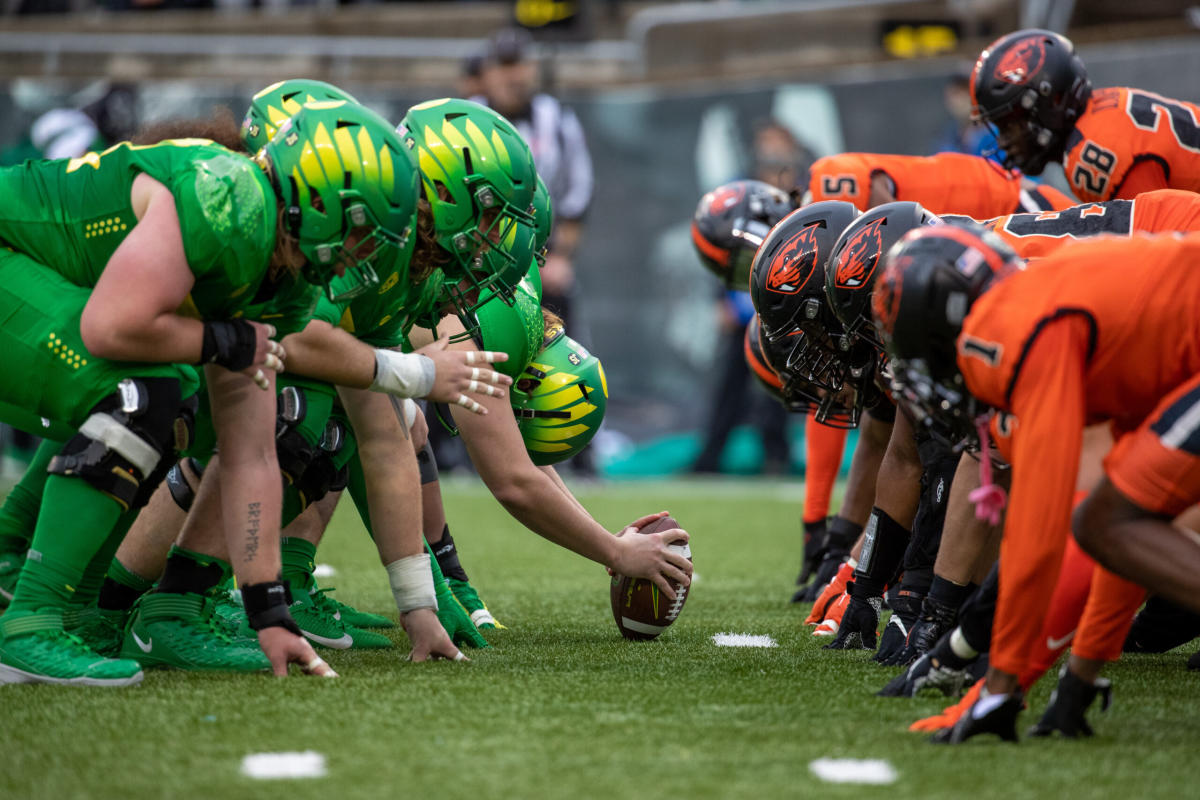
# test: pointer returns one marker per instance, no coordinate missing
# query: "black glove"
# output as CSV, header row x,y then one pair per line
x,y
1000,719
1068,704
906,608
860,623
936,620
938,669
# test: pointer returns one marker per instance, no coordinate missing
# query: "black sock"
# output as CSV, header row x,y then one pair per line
x,y
190,573
949,593
117,596
447,556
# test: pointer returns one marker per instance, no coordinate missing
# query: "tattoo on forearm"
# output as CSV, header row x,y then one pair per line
x,y
253,515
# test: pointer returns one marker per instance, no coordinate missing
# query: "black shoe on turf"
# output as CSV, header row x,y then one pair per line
x,y
1069,703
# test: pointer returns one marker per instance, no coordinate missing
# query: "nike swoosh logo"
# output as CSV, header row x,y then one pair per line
x,y
1058,644
337,615
342,643
145,646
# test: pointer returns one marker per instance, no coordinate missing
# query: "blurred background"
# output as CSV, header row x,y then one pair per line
x,y
637,108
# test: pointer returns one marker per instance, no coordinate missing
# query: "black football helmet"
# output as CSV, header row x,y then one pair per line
x,y
850,271
768,360
731,222
928,284
1030,88
787,288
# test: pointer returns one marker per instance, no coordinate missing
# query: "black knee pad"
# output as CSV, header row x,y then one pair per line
x,y
125,446
427,464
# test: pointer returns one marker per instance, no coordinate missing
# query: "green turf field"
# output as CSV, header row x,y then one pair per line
x,y
562,707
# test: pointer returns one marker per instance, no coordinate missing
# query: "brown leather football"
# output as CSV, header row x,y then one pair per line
x,y
639,607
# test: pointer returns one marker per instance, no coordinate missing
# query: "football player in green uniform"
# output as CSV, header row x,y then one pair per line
x,y
333,349
122,265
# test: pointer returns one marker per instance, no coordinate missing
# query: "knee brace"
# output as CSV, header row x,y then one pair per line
x,y
292,450
177,484
124,447
322,475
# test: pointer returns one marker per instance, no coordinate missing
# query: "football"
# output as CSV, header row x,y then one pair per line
x,y
639,608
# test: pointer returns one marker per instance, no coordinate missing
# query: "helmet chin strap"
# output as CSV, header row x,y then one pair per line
x,y
990,498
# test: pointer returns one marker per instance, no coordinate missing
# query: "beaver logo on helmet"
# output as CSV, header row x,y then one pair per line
x,y
724,198
1022,61
885,302
859,257
792,268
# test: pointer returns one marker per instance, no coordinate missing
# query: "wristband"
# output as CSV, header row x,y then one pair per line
x,y
403,374
229,344
267,604
412,583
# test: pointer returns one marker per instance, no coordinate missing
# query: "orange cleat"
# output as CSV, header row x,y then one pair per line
x,y
950,714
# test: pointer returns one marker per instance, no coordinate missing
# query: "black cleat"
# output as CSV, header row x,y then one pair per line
x,y
1068,704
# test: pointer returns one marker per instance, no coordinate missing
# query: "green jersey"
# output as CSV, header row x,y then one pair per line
x,y
377,317
71,214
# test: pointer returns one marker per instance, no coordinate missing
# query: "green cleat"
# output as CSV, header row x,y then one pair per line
x,y
321,625
101,629
10,570
348,614
180,631
465,593
34,648
455,618
231,616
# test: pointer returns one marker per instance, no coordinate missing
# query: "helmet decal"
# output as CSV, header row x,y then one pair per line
x,y
885,302
1021,62
787,273
724,197
860,257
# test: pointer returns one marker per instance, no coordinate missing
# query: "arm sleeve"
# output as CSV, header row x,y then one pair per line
x,y
1049,403
1145,176
577,163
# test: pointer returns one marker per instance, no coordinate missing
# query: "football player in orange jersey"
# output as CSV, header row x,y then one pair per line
x,y
729,224
1077,338
1117,142
946,183
787,288
1039,235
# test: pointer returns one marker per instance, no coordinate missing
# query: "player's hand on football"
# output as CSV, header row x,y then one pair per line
x,y
462,375
429,639
268,355
650,556
282,647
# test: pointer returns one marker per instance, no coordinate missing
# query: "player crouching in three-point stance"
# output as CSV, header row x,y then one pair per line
x,y
1100,331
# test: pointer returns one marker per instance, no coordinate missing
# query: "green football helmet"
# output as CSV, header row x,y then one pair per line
x,y
478,176
516,328
349,192
279,102
559,399
543,220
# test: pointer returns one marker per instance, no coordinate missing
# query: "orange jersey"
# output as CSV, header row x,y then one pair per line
x,y
1039,235
948,183
1101,330
1122,127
